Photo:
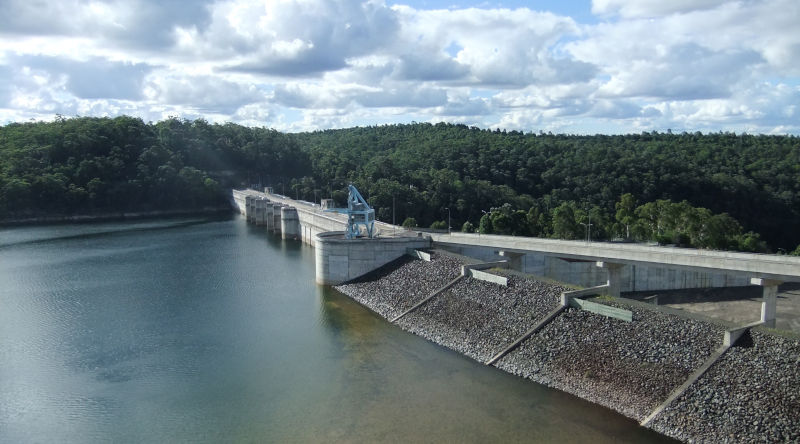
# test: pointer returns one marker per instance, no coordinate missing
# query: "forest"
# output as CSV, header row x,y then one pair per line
x,y
717,190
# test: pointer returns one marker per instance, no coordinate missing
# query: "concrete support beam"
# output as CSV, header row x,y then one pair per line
x,y
769,303
514,259
614,277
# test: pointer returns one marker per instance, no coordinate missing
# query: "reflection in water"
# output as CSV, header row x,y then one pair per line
x,y
179,331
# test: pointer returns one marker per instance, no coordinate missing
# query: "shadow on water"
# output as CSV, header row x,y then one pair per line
x,y
404,388
108,229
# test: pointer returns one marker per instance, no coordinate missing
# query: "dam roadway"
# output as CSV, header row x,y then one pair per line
x,y
622,266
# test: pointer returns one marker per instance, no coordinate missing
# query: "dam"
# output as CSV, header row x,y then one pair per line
x,y
622,267
655,365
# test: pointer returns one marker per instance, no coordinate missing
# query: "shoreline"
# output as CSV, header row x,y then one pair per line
x,y
112,216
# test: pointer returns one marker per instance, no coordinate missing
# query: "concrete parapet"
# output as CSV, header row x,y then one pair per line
x,y
488,277
290,223
339,260
419,254
733,335
465,269
567,296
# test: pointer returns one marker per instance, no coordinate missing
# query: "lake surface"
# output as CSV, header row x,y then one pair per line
x,y
197,330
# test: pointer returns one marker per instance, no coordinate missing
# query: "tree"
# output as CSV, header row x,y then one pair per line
x,y
626,212
565,225
439,225
468,227
485,224
410,222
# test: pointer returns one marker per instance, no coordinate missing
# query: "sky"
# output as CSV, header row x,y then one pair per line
x,y
573,67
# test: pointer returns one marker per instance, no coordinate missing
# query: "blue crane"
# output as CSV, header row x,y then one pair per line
x,y
358,213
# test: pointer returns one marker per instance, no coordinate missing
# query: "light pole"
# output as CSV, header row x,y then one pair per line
x,y
449,228
588,229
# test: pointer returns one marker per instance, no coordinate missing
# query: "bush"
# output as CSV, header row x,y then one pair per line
x,y
439,225
410,222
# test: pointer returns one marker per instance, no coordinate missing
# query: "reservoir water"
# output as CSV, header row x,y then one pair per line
x,y
198,330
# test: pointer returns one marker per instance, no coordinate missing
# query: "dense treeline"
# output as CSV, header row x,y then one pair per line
x,y
745,182
98,165
718,190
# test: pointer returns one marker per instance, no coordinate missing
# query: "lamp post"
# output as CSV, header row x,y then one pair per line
x,y
588,229
449,228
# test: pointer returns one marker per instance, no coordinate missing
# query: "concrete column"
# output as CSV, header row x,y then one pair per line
x,y
269,215
769,304
514,259
261,207
248,210
290,223
614,277
276,218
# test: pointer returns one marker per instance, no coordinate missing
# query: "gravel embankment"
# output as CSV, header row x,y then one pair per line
x,y
393,290
752,394
630,367
479,318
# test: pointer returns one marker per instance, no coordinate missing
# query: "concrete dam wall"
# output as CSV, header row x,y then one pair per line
x,y
337,259
266,209
686,377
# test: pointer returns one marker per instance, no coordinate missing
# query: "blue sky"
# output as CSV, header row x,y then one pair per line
x,y
578,67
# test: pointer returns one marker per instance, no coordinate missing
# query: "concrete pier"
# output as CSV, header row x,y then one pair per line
x,y
769,304
614,280
269,215
261,207
276,218
290,223
248,214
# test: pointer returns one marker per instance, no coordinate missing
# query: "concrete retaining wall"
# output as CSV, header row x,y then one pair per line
x,y
587,274
339,260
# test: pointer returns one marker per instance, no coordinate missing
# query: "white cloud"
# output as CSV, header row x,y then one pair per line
x,y
500,48
201,93
308,64
651,8
294,37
